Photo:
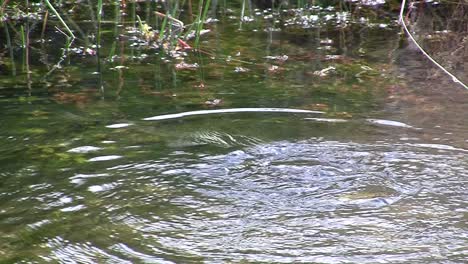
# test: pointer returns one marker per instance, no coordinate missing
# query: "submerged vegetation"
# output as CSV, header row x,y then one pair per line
x,y
173,52
173,28
171,55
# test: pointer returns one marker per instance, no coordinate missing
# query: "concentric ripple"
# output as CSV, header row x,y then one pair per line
x,y
285,202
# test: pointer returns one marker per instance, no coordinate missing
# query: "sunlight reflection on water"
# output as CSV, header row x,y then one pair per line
x,y
308,201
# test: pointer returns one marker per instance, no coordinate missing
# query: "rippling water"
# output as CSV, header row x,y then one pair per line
x,y
289,145
311,200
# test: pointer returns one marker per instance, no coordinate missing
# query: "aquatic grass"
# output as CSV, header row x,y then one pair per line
x,y
52,8
145,29
190,10
203,12
117,18
68,42
27,50
133,13
99,21
23,36
170,21
98,43
162,30
10,49
44,24
242,14
63,56
177,23
171,29
72,24
112,51
300,4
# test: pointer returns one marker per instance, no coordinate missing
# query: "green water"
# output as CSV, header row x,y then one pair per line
x,y
375,172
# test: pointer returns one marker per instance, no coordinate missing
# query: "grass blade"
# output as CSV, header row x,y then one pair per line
x,y
52,8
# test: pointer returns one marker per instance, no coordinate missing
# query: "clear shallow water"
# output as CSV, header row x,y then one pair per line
x,y
374,170
217,196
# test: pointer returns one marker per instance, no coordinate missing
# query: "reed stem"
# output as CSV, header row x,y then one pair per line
x,y
98,43
10,49
203,12
52,8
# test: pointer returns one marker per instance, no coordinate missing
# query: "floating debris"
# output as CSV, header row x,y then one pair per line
x,y
192,33
281,58
274,68
187,66
241,69
247,19
119,67
326,41
84,51
200,85
333,57
214,102
368,2
211,20
325,72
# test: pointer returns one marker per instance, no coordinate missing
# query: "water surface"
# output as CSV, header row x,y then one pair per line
x,y
306,142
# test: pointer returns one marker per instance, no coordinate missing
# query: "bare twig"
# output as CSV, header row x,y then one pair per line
x,y
52,8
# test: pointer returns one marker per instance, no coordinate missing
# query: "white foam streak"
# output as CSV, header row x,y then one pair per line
x,y
231,110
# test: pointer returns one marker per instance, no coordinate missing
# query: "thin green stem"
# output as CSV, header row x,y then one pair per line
x,y
52,8
203,12
10,49
98,43
23,37
163,28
